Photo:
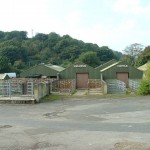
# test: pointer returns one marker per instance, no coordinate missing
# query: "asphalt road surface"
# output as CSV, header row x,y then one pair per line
x,y
77,124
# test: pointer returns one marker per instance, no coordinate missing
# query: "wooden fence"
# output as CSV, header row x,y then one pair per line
x,y
63,86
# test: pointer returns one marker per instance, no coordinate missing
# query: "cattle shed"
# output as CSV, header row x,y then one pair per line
x,y
79,68
81,73
121,71
106,64
46,70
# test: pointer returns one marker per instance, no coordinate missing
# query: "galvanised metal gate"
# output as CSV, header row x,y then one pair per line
x,y
30,88
16,88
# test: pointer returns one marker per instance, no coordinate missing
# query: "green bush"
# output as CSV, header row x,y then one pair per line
x,y
144,88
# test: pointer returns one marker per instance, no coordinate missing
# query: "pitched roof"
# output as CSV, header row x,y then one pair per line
x,y
106,64
144,67
11,74
110,66
55,67
3,76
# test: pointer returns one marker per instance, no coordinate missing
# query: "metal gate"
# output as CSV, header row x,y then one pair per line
x,y
30,88
16,88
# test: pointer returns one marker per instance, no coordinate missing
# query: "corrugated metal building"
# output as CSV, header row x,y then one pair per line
x,y
81,73
106,64
4,76
144,67
40,70
84,75
121,71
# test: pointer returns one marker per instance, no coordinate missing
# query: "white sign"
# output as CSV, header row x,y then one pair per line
x,y
122,65
79,66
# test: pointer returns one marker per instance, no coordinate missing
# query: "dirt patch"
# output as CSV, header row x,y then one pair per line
x,y
127,145
5,126
45,145
53,114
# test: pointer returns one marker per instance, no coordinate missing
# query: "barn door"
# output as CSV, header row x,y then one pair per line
x,y
123,76
82,80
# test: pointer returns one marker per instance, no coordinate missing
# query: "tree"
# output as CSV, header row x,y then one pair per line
x,y
133,51
4,65
17,35
14,53
2,34
105,54
89,58
144,56
144,88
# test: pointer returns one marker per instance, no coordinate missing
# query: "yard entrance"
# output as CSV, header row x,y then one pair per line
x,y
123,76
82,80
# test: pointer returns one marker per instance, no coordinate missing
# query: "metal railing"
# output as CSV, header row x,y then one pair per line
x,y
116,86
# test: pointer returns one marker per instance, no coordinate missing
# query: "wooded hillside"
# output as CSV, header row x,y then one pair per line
x,y
18,52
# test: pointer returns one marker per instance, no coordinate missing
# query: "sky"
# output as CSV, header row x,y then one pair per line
x,y
113,23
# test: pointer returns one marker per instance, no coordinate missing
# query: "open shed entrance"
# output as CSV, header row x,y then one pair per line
x,y
123,76
82,80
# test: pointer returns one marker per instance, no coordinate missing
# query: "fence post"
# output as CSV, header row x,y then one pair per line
x,y
9,88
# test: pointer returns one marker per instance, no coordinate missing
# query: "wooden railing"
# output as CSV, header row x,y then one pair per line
x,y
64,86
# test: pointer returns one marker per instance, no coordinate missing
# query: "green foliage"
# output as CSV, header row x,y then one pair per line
x,y
89,58
16,35
13,53
144,88
4,64
147,73
132,52
105,54
144,57
23,52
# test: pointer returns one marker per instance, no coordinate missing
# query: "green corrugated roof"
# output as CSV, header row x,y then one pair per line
x,y
55,67
110,66
101,67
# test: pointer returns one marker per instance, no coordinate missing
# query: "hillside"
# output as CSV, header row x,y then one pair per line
x,y
18,52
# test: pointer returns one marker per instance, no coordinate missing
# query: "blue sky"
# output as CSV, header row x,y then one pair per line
x,y
112,23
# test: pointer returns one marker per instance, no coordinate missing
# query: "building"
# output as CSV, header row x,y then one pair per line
x,y
82,76
144,67
4,76
121,71
11,74
42,70
80,72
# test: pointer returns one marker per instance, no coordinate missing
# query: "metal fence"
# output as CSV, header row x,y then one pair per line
x,y
115,87
134,84
16,88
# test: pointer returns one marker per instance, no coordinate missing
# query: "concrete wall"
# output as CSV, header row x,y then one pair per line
x,y
41,90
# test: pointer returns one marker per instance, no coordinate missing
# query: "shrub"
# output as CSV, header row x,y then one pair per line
x,y
144,88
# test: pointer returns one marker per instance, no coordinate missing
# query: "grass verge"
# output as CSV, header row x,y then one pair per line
x,y
54,97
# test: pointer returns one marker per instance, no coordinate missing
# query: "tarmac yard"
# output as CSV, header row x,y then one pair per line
x,y
77,124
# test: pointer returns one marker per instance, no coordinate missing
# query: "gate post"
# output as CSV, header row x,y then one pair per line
x,y
9,88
